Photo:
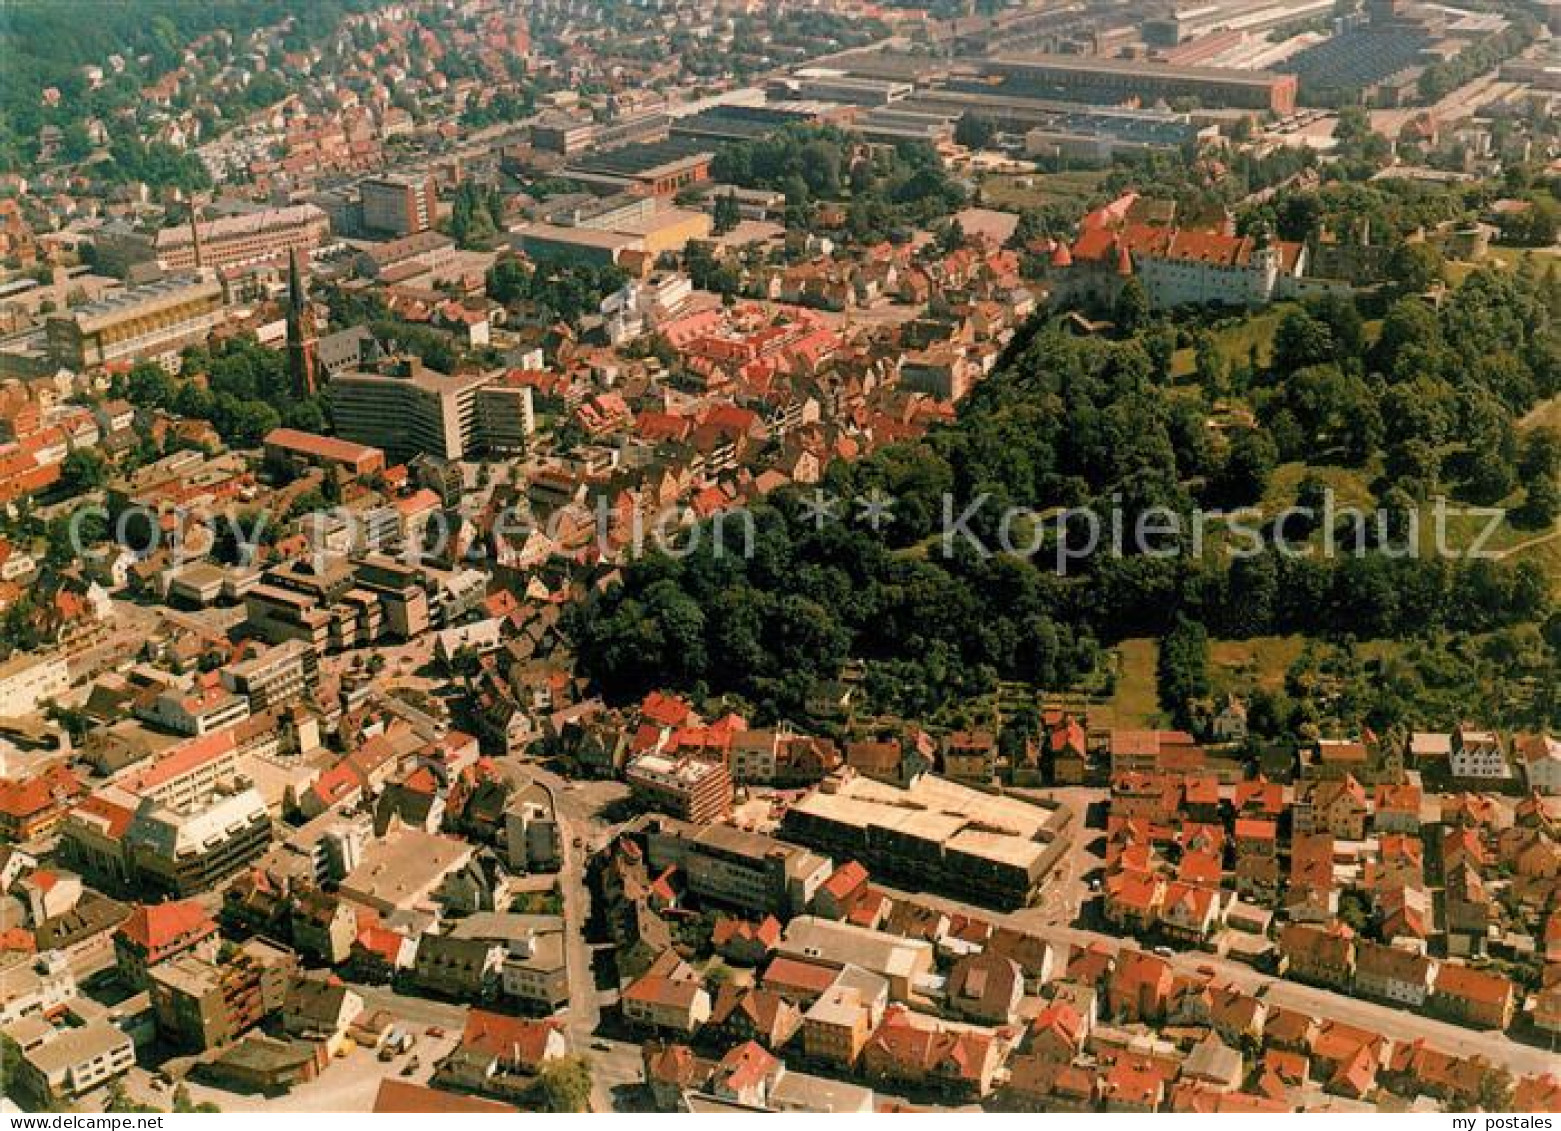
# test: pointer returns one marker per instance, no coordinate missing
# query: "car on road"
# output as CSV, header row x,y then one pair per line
x,y
1164,951
433,1031
601,1046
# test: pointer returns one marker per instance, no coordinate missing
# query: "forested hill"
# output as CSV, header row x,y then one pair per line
x,y
1069,422
46,43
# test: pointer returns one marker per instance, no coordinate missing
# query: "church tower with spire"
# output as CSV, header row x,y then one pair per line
x,y
302,341
195,235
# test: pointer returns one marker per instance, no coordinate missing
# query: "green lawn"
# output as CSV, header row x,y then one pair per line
x,y
1241,666
1136,702
1238,666
1235,341
1458,270
1036,190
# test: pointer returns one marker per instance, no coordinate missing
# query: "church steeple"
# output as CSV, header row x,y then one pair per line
x,y
302,344
195,234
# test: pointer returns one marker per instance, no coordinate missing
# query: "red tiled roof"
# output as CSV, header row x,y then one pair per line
x,y
185,758
1483,986
402,1098
794,973
747,1065
153,927
513,1039
665,710
27,797
656,989
845,879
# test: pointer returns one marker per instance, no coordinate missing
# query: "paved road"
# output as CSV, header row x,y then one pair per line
x,y
615,1065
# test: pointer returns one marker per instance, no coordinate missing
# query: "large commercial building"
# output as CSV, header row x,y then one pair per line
x,y
663,168
185,852
201,1004
748,870
562,134
237,241
399,204
188,773
333,604
290,447
686,788
821,84
937,835
27,680
57,1066
316,603
277,675
155,321
1087,78
412,410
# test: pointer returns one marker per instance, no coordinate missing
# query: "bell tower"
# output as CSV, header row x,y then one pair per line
x,y
302,341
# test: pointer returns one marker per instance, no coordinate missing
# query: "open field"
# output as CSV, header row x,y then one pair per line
x,y
1135,703
1458,270
1235,666
1546,414
1037,190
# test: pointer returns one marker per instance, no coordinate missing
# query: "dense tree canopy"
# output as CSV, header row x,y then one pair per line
x,y
1074,423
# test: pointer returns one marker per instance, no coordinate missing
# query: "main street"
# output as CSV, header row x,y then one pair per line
x,y
578,806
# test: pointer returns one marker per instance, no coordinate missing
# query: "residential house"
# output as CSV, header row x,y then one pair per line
x,y
1540,757
1133,1083
985,988
1333,805
667,998
746,1075
321,1009
1396,809
1191,912
502,1055
1478,755
1139,987
910,1048
971,757
466,969
323,926
672,1071
1481,998
1321,955
744,942
1133,900
840,1021
745,1014
1395,974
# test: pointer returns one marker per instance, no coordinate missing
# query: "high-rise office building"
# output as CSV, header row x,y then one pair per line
x,y
399,204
